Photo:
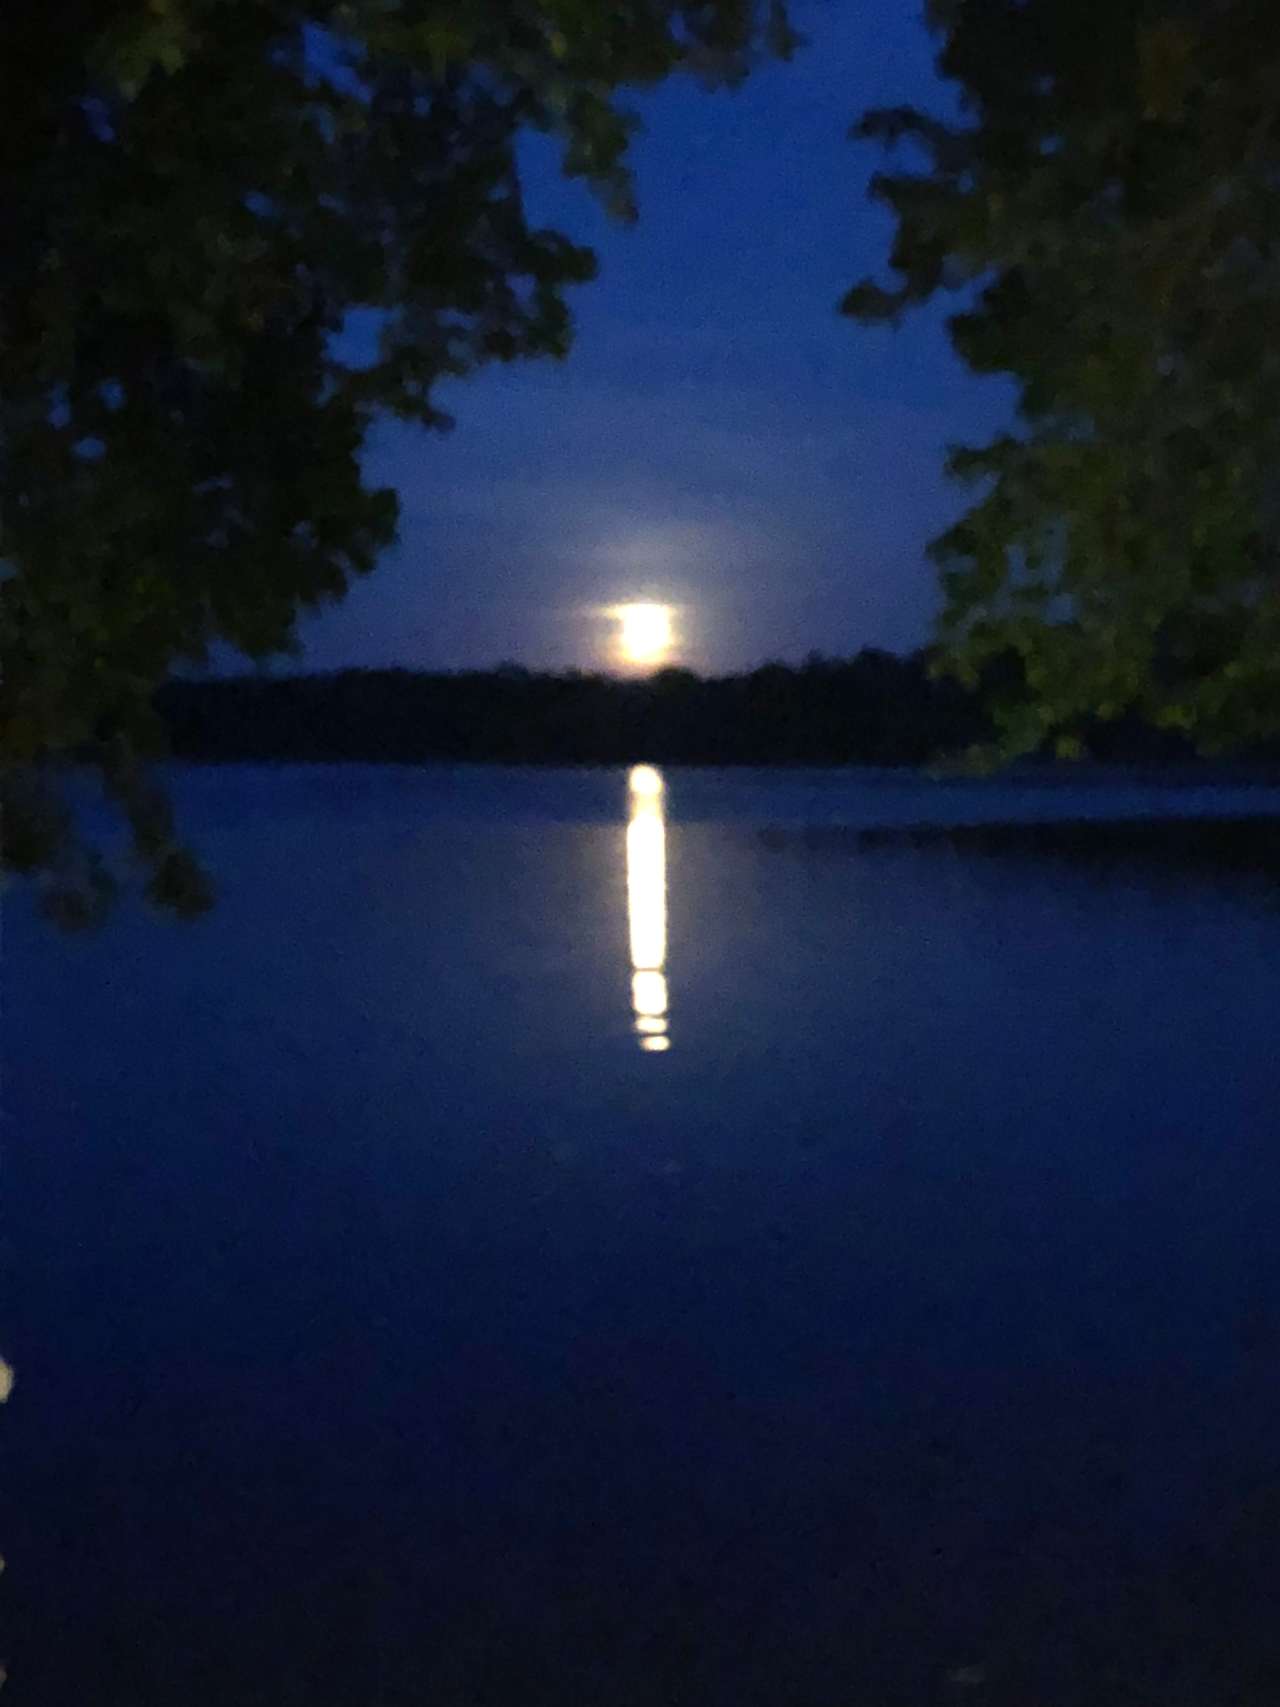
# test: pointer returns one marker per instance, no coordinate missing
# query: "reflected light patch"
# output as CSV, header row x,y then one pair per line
x,y
646,891
646,633
655,1045
647,905
649,994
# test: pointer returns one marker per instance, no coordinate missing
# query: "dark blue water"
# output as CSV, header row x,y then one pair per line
x,y
391,1329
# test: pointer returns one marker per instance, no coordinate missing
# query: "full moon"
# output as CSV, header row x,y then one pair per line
x,y
646,633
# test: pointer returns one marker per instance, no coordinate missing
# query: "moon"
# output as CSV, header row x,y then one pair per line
x,y
646,633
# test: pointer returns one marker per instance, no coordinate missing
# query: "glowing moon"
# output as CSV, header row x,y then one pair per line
x,y
646,633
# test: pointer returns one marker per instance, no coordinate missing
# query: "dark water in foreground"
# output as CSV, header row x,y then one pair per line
x,y
392,1329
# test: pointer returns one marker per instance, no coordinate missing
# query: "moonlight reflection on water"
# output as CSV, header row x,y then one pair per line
x,y
647,907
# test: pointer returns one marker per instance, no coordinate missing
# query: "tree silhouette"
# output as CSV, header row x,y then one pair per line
x,y
873,708
1108,202
199,195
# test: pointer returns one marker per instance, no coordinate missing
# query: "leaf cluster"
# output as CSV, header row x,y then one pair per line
x,y
1107,207
201,198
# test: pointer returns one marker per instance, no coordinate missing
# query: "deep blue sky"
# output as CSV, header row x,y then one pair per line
x,y
719,438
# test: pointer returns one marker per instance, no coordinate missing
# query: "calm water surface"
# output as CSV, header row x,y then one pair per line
x,y
536,1243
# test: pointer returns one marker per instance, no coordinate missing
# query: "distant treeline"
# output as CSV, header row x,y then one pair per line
x,y
875,708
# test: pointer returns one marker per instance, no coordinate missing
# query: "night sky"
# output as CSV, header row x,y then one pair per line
x,y
719,438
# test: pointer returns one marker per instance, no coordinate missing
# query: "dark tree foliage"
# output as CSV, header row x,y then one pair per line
x,y
197,195
1109,202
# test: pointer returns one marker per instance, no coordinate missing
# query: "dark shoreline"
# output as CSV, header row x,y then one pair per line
x,y
873,709
1027,772
1248,843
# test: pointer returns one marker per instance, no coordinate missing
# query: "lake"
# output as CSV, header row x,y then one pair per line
x,y
546,1240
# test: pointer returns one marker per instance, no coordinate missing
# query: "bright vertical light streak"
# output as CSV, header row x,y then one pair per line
x,y
647,904
647,890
